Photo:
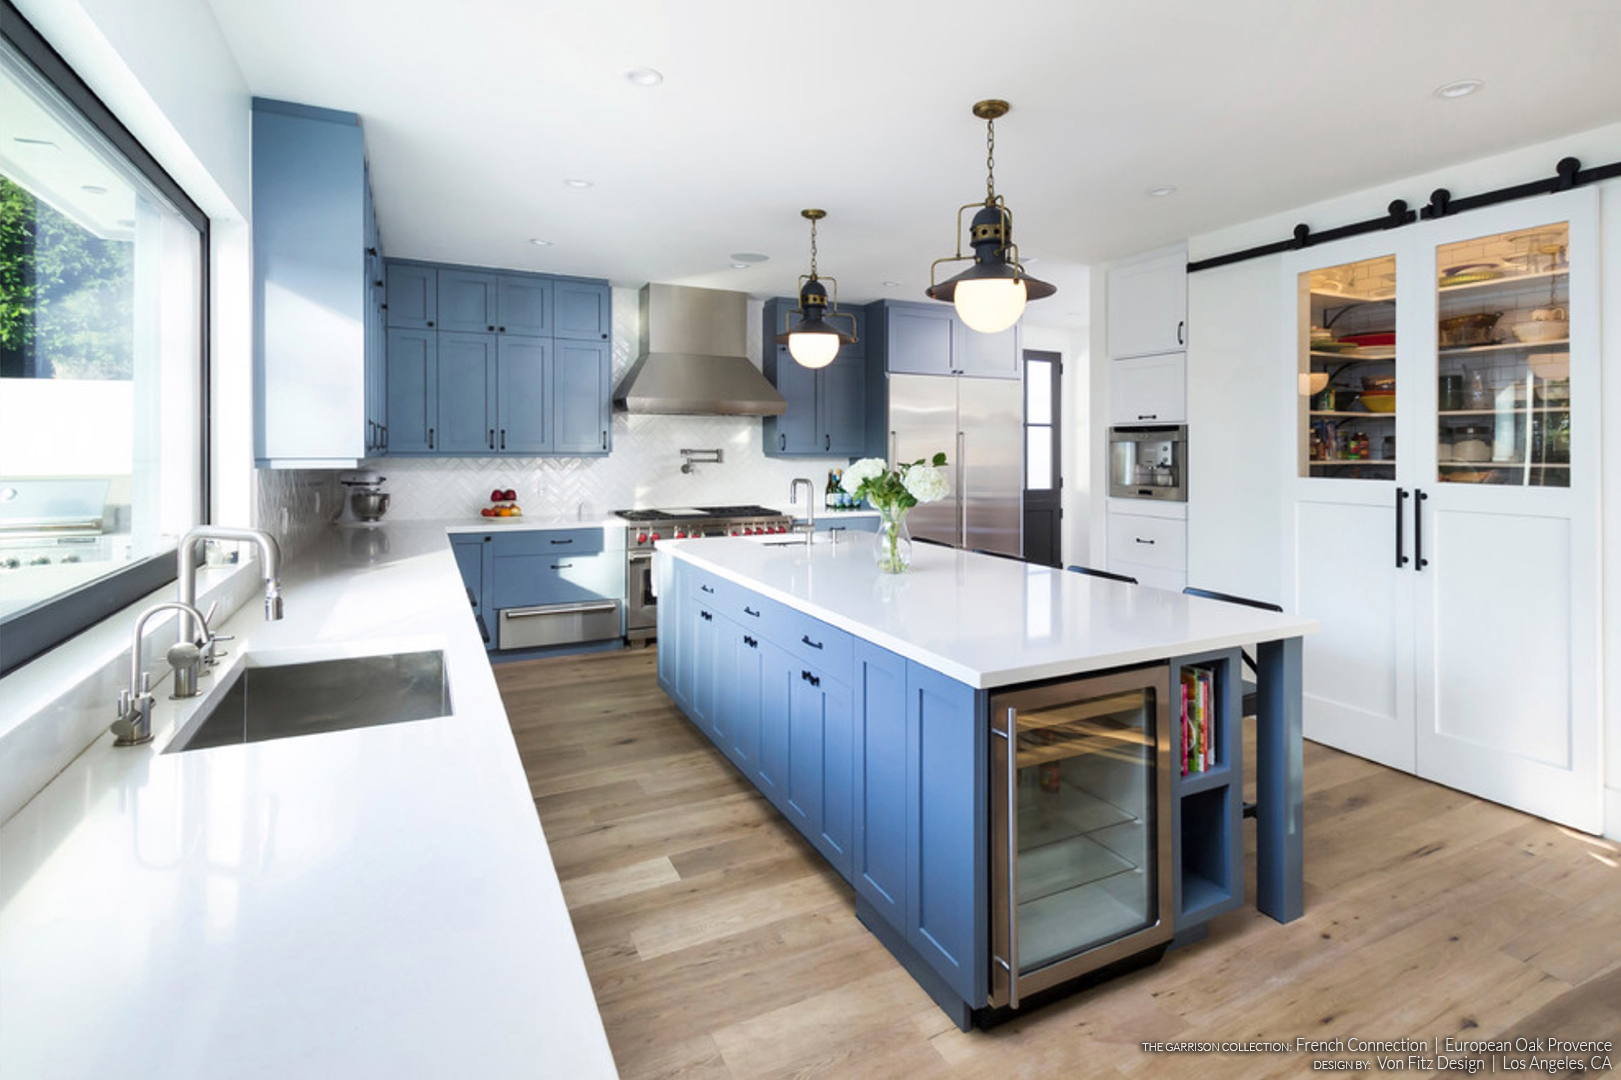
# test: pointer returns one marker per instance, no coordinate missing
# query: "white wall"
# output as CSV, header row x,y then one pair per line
x,y
1073,345
1236,355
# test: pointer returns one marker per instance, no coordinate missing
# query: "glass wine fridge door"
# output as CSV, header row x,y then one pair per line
x,y
1081,827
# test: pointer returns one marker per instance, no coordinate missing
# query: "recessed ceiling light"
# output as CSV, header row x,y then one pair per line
x,y
43,144
740,266
538,242
93,189
1161,192
575,183
1461,88
644,76
749,257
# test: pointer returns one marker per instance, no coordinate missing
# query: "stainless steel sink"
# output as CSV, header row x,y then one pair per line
x,y
283,700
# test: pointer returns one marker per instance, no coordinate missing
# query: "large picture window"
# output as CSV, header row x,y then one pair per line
x,y
103,288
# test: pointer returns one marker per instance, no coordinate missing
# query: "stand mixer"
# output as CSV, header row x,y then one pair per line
x,y
367,502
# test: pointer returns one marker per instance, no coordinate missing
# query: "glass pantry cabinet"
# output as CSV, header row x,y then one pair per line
x,y
1442,498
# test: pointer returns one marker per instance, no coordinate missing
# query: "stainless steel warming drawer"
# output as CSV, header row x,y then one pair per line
x,y
558,624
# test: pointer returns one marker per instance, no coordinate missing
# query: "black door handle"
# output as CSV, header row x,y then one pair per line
x,y
570,540
1181,326
751,611
750,642
492,438
827,442
1148,416
605,440
1401,497
782,441
808,641
814,680
706,616
1419,561
503,438
1140,540
430,438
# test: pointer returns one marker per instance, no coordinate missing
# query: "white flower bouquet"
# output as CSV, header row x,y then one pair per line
x,y
892,492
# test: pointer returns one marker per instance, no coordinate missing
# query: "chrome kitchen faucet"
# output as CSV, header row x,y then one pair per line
x,y
134,723
810,504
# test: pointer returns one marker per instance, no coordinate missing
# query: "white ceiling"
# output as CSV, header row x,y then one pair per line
x,y
477,111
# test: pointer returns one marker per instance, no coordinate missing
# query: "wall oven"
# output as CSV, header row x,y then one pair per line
x,y
1149,461
1080,827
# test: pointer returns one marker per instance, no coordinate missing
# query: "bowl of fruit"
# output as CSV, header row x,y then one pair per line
x,y
503,504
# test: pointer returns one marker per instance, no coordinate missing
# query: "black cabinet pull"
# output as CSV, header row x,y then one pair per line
x,y
814,680
1140,540
570,540
503,438
706,616
1401,497
827,442
707,588
1419,498
385,436
750,642
605,440
562,566
1148,416
808,641
372,252
782,441
430,438
1181,327
492,438
751,611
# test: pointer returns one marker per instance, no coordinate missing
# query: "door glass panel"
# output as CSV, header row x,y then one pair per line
x,y
1503,344
1038,391
1348,371
1086,824
1038,458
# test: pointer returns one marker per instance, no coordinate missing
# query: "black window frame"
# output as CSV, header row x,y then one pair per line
x,y
35,631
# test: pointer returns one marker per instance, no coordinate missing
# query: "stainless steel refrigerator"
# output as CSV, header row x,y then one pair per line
x,y
978,425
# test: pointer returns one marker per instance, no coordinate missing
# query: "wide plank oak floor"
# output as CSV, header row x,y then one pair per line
x,y
720,945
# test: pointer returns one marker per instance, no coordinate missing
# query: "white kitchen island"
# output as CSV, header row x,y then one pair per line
x,y
863,706
377,902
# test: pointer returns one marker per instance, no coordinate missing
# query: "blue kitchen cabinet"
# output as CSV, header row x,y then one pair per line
x,y
523,305
778,675
464,392
315,352
818,795
471,551
412,295
879,866
826,412
582,397
582,310
412,374
467,301
909,338
946,830
706,634
523,397
742,684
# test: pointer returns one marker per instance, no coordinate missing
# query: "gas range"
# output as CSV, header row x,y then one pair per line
x,y
645,528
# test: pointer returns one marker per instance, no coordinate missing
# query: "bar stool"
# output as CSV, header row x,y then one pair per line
x,y
1249,686
1112,576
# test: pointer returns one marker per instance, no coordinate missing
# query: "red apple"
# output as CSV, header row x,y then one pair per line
x,y
496,495
509,495
487,512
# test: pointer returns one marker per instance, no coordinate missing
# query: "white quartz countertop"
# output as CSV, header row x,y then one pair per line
x,y
980,620
370,903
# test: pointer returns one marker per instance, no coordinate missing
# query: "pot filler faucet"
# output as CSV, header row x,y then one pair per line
x,y
195,646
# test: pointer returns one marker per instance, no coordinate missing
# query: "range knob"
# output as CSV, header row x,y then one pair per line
x,y
641,538
70,558
40,560
654,537
12,564
782,528
681,534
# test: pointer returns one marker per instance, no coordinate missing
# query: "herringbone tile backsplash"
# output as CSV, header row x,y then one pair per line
x,y
643,470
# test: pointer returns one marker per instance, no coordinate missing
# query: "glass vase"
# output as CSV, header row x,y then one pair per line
x,y
894,542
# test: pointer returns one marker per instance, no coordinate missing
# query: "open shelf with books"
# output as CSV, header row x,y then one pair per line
x,y
1207,776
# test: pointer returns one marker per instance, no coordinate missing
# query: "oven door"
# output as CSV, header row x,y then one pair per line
x,y
641,605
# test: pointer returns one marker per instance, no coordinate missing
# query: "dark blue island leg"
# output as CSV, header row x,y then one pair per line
x,y
1279,782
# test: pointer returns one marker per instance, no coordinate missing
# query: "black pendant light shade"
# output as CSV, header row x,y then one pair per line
x,y
814,339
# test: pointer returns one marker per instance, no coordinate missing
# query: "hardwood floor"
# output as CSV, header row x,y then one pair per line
x,y
720,945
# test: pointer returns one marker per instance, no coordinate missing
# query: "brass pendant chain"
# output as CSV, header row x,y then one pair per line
x,y
990,162
813,249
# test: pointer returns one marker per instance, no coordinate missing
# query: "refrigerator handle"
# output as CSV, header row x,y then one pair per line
x,y
962,489
892,458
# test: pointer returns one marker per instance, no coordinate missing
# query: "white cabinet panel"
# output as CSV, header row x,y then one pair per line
x,y
1147,305
1150,390
1148,541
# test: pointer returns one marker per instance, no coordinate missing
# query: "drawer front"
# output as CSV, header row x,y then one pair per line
x,y
815,642
549,542
559,624
1148,541
700,584
1149,390
531,580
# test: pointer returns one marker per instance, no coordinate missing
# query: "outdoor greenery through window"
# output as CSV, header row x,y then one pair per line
x,y
101,355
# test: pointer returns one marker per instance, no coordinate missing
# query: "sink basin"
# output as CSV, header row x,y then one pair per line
x,y
283,700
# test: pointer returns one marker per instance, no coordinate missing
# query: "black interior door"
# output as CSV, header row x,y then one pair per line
x,y
1044,483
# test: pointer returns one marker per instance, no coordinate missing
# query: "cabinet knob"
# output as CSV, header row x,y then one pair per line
x,y
500,329
430,322
491,329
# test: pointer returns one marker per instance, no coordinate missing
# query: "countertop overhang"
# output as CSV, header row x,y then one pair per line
x,y
984,621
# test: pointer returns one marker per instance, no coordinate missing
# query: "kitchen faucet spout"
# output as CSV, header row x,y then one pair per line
x,y
810,503
270,566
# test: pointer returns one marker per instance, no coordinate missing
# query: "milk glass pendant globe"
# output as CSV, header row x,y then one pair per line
x,y
813,341
813,350
989,305
991,293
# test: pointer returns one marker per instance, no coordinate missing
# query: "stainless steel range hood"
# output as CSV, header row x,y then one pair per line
x,y
692,358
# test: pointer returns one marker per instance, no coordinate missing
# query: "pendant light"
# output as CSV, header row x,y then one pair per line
x,y
814,341
990,295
